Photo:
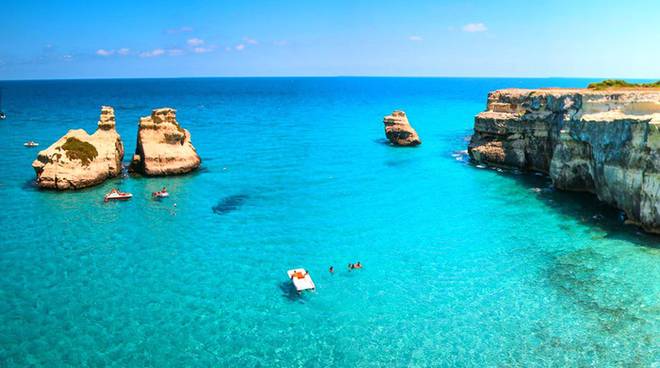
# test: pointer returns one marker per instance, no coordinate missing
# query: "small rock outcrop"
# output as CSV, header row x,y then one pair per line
x,y
163,146
398,130
79,160
606,142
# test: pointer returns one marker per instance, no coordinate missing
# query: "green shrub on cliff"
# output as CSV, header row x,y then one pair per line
x,y
619,83
78,150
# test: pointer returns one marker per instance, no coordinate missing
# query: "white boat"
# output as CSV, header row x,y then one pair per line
x,y
301,279
117,196
31,144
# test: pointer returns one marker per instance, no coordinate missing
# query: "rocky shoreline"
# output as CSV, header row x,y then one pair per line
x,y
605,142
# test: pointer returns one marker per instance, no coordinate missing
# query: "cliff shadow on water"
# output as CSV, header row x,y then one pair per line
x,y
582,206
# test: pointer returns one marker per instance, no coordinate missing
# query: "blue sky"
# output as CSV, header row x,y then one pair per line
x,y
90,39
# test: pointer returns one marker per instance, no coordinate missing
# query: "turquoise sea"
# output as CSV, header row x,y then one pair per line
x,y
464,267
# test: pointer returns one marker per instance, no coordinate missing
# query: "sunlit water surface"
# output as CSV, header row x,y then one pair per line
x,y
464,267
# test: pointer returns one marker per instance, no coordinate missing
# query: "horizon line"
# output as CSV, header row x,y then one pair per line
x,y
319,76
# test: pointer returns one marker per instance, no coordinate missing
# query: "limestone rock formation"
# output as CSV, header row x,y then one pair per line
x,y
606,142
398,130
163,146
79,160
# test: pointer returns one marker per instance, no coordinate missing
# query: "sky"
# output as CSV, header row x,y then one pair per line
x,y
134,39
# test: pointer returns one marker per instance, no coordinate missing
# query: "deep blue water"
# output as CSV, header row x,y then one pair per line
x,y
464,267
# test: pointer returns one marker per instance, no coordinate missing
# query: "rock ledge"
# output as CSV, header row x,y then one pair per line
x,y
163,146
79,160
399,131
603,142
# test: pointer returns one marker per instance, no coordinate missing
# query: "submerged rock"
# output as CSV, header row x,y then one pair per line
x,y
79,160
398,130
603,142
163,146
229,204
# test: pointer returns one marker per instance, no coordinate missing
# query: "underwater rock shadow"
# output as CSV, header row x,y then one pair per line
x,y
577,276
138,175
201,170
399,163
583,206
30,185
383,141
229,204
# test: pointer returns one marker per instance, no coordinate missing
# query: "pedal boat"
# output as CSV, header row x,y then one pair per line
x,y
301,280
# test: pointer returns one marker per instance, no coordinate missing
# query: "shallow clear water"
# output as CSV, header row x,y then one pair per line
x,y
464,266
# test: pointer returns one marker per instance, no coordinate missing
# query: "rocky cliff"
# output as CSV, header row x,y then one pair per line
x,y
604,142
163,146
399,131
79,160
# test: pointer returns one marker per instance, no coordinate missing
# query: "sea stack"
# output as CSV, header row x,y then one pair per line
x,y
605,142
79,160
163,146
398,130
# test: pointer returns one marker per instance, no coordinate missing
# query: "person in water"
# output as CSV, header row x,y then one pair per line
x,y
331,270
163,190
357,265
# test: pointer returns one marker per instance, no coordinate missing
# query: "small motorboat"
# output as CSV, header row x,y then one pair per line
x,y
116,195
161,194
301,280
31,144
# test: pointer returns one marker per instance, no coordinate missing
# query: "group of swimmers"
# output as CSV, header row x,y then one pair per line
x,y
351,266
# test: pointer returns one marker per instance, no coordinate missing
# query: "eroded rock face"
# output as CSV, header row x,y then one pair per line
x,y
163,146
398,130
79,160
604,142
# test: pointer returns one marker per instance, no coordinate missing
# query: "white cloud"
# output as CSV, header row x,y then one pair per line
x,y
67,57
104,52
240,47
474,27
250,41
201,50
124,51
152,53
281,43
195,42
174,52
415,38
